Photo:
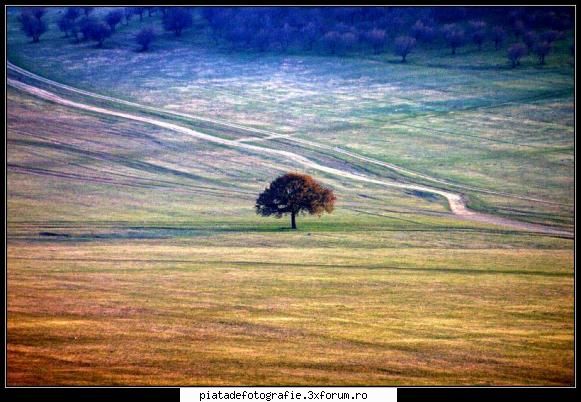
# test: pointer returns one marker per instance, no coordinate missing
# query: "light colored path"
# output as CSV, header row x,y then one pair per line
x,y
271,135
456,201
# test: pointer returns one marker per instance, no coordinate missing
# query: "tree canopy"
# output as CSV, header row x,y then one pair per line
x,y
295,193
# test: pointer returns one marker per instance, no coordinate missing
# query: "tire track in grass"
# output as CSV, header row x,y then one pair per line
x,y
457,202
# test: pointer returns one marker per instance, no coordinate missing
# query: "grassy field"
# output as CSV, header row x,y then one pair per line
x,y
135,256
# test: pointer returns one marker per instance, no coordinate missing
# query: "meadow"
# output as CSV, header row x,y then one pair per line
x,y
135,256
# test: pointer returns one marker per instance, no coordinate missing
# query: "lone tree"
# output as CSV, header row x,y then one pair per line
x,y
403,46
295,193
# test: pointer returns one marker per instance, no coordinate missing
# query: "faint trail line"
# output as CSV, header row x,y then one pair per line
x,y
457,202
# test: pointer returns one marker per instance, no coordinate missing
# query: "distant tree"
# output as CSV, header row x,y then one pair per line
x,y
145,37
113,18
241,35
85,26
128,13
294,194
32,26
498,35
177,19
515,53
164,10
65,25
417,29
310,33
422,32
331,40
73,13
478,32
376,39
75,31
150,10
529,39
139,11
551,36
518,28
403,46
87,10
98,32
348,41
38,12
262,40
542,49
285,36
454,36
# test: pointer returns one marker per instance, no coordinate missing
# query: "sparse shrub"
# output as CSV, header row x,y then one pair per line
x,y
177,19
403,46
145,37
32,26
516,52
113,18
454,36
498,35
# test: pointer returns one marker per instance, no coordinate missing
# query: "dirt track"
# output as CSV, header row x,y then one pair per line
x,y
456,201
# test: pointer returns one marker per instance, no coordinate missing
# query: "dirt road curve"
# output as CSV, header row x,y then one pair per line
x,y
456,201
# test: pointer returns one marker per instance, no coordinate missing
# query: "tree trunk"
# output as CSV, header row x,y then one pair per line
x,y
293,221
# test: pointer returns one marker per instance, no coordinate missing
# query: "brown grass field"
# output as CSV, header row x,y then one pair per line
x,y
135,257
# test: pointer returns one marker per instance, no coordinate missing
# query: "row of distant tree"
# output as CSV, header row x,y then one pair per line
x,y
80,24
334,29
